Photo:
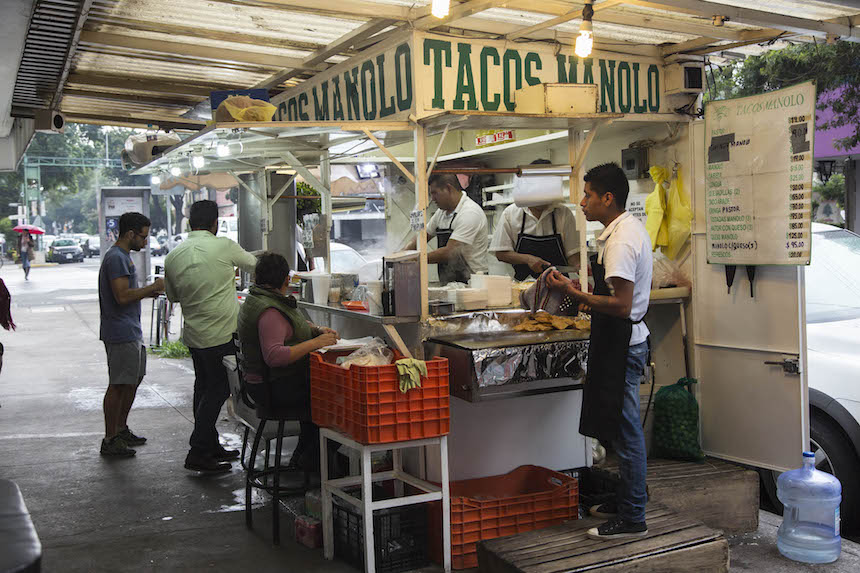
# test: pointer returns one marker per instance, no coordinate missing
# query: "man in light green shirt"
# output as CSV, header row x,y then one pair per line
x,y
199,274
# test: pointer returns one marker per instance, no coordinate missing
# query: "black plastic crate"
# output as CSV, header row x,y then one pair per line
x,y
400,535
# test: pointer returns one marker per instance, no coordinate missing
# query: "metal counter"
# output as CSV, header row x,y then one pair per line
x,y
490,365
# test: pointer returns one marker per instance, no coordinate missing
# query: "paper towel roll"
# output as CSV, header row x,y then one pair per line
x,y
534,191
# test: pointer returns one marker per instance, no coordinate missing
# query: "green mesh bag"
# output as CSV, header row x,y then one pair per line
x,y
676,423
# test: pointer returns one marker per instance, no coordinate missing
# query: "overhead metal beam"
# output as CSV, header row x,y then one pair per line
x,y
133,121
192,50
344,42
572,15
147,84
176,101
755,17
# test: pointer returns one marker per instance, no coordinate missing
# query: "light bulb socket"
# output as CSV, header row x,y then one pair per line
x,y
586,26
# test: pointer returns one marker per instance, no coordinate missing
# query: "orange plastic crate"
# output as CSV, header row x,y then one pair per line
x,y
528,498
365,402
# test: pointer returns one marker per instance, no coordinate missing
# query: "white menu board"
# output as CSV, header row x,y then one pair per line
x,y
759,177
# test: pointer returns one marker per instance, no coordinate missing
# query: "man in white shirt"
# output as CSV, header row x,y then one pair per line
x,y
618,344
533,239
460,228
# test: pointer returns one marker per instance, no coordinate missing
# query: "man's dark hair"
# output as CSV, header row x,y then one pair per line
x,y
272,270
609,178
444,179
203,215
133,222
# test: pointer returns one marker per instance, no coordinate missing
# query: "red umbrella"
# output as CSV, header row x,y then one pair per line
x,y
32,229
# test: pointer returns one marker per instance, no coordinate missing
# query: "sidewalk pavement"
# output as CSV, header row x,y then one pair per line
x,y
145,513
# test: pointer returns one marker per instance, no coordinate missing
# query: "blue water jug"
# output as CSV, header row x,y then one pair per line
x,y
810,523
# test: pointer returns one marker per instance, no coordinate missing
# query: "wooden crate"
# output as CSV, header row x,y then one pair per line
x,y
673,544
720,494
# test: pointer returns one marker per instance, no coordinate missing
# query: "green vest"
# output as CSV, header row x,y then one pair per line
x,y
256,303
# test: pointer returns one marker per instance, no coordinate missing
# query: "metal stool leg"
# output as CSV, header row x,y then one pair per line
x,y
244,448
249,477
276,486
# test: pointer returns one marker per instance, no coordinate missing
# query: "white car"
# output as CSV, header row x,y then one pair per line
x,y
833,355
345,259
174,240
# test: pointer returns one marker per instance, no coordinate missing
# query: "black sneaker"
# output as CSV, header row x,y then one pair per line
x,y
116,448
618,528
606,510
205,464
130,438
225,455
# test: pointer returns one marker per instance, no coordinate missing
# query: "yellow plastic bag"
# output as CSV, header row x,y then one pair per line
x,y
244,108
655,209
679,216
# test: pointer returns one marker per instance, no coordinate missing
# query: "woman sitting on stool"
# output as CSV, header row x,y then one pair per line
x,y
276,341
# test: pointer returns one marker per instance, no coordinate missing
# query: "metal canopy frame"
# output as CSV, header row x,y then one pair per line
x,y
301,145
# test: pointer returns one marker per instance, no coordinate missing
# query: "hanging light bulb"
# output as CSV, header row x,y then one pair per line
x,y
197,160
155,179
175,171
222,148
585,40
440,8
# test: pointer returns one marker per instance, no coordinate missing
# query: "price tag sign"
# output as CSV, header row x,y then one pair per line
x,y
416,220
759,163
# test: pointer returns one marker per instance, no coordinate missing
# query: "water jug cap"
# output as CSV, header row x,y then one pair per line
x,y
808,455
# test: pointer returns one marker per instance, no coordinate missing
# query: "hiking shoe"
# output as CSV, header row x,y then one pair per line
x,y
618,528
606,510
130,438
206,464
116,447
225,455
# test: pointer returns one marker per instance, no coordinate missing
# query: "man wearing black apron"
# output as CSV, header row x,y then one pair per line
x,y
533,239
618,345
460,228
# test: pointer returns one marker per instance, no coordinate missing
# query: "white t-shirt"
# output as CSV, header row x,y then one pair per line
x,y
624,248
469,227
511,222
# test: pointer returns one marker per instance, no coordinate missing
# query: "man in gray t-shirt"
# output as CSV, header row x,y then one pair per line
x,y
119,305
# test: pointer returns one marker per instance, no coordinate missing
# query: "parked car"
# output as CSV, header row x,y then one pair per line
x,y
833,364
344,259
90,246
156,249
175,240
65,251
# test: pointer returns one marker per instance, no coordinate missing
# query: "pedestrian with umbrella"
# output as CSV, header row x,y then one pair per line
x,y
26,245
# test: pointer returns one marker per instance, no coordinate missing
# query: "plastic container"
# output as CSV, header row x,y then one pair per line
x,y
400,537
365,402
498,287
810,525
528,498
322,286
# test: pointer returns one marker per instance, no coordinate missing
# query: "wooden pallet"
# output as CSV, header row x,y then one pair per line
x,y
720,494
673,544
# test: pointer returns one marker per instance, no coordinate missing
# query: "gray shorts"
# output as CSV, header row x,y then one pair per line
x,y
126,362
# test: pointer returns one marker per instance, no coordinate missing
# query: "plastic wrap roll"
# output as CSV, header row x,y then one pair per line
x,y
544,170
534,191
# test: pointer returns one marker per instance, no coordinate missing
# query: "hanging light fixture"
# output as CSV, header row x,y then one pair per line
x,y
222,148
175,171
440,8
197,160
156,178
585,40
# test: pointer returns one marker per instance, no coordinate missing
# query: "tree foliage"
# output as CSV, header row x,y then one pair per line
x,y
833,190
70,192
832,67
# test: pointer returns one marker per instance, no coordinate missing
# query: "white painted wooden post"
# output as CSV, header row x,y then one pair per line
x,y
367,502
328,526
446,506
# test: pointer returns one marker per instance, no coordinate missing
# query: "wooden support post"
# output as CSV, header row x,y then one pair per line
x,y
325,173
575,150
390,155
421,199
438,149
397,340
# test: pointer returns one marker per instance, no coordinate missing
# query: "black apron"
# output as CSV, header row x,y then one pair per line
x,y
603,393
457,271
550,248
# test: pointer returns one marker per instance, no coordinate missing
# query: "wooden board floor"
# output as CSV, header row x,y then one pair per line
x,y
673,544
720,494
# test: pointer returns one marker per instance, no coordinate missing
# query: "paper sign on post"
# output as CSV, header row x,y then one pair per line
x,y
416,220
759,162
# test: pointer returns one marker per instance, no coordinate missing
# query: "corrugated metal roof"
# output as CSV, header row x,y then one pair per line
x,y
159,58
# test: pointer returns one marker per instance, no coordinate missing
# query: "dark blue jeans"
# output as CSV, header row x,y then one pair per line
x,y
211,390
630,446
